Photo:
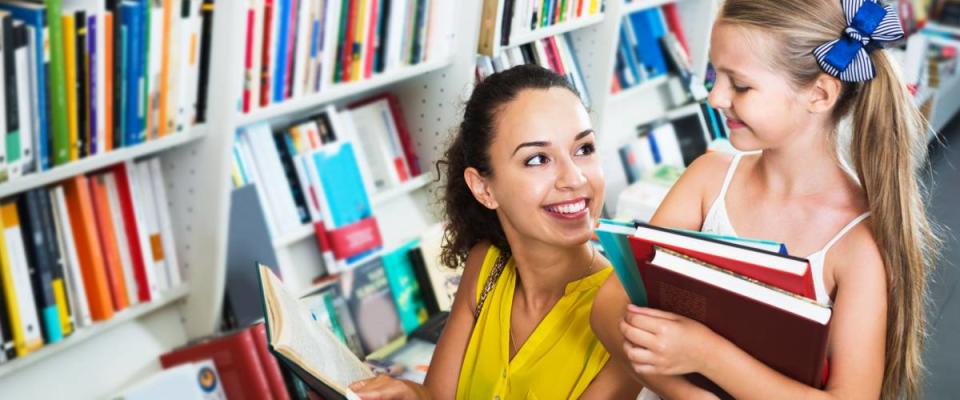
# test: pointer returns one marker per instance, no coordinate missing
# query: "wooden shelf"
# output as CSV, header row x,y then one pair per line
x,y
305,231
553,30
81,335
99,161
639,90
340,91
635,6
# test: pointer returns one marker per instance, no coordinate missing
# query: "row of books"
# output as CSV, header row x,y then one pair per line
x,y
504,18
651,44
81,251
321,171
295,48
675,142
97,76
554,53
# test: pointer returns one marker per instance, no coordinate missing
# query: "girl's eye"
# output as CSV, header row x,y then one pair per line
x,y
740,89
538,159
586,150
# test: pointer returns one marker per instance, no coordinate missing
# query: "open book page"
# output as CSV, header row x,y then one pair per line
x,y
306,342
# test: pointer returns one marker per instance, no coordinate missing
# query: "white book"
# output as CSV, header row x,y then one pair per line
x,y
274,182
73,278
25,108
395,31
120,232
571,67
428,24
373,137
331,28
149,207
253,176
346,131
484,66
138,195
188,97
166,225
515,56
16,272
666,139
256,62
155,67
315,49
174,77
301,55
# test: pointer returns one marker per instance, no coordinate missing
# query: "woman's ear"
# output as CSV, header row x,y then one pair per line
x,y
480,188
825,93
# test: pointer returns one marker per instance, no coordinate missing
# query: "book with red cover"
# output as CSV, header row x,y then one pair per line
x,y
406,141
785,272
132,230
237,361
271,367
784,331
672,16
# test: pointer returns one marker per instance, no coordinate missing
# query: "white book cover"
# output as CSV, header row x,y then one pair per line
x,y
19,275
316,45
189,381
148,206
373,136
666,139
155,62
191,64
24,103
253,177
253,80
76,292
120,232
166,225
515,55
332,26
395,29
138,195
274,182
174,56
301,55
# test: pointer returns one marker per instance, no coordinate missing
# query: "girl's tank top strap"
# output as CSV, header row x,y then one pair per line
x,y
844,231
729,176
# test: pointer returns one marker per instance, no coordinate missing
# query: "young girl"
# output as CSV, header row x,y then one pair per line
x,y
788,72
523,191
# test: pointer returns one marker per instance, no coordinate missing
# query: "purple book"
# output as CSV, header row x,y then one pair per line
x,y
92,71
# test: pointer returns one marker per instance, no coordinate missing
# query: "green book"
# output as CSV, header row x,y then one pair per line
x,y
406,290
58,93
614,237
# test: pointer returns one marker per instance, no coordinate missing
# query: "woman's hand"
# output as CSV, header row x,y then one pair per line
x,y
663,343
383,387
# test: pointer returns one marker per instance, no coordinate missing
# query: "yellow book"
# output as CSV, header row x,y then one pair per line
x,y
60,297
594,7
17,288
359,43
162,126
70,59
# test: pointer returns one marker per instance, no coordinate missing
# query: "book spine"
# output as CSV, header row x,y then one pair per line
x,y
80,84
57,87
39,265
12,137
205,48
93,31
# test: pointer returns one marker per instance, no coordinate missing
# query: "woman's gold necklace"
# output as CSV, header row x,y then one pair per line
x,y
593,258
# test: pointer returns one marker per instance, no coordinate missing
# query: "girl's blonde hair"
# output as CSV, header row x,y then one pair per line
x,y
887,150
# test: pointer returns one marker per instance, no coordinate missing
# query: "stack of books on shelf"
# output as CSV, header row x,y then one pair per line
x,y
676,141
81,251
652,44
553,53
504,20
296,48
97,76
321,170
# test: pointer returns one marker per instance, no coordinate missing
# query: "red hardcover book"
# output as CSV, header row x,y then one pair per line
x,y
347,57
270,366
248,60
784,331
238,364
132,231
291,49
554,54
672,16
788,273
265,54
406,141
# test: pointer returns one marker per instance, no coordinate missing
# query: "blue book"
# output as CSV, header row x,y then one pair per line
x,y
648,28
130,17
630,59
403,284
343,188
614,237
280,64
34,16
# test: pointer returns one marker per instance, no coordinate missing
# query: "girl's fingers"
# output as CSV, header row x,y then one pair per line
x,y
636,336
648,323
638,355
653,312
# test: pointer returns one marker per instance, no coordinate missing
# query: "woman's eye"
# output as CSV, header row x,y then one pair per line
x,y
586,150
538,159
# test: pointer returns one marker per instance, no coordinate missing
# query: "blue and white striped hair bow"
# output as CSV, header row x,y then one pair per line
x,y
868,25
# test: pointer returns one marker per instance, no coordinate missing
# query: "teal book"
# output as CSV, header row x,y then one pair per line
x,y
614,238
760,244
403,284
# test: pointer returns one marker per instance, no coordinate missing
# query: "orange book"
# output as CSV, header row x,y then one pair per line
x,y
108,242
107,139
165,68
84,224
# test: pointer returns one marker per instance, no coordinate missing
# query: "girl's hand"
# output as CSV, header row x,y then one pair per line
x,y
383,387
663,343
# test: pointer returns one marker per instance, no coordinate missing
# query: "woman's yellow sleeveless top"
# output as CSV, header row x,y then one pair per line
x,y
559,359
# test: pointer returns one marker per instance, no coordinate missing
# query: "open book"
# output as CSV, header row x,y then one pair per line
x,y
307,347
759,300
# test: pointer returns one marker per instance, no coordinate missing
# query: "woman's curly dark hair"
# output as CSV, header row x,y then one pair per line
x,y
468,221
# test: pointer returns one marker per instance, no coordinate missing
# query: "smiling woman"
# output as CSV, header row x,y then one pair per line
x,y
524,188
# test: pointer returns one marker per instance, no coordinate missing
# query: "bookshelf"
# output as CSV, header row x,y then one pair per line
x,y
558,29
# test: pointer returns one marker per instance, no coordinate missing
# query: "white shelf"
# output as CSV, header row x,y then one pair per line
x,y
553,30
643,5
95,162
341,91
630,93
81,335
305,231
